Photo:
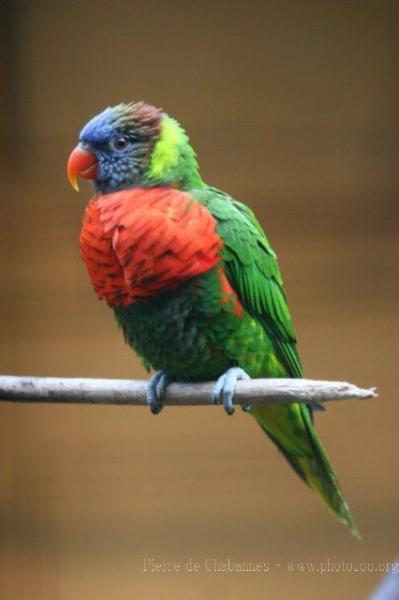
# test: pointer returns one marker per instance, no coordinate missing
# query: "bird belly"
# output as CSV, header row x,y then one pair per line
x,y
177,331
192,334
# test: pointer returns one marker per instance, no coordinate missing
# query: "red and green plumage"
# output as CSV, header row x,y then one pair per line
x,y
196,289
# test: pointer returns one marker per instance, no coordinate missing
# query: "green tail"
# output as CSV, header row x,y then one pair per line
x,y
290,428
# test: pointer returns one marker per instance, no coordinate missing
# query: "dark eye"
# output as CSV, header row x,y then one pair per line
x,y
120,143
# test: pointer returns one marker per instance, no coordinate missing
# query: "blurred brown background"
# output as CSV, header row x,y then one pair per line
x,y
292,107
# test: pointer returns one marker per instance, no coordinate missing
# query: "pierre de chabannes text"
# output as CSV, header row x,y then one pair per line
x,y
211,564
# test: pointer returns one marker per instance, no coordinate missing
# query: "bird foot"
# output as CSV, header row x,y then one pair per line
x,y
156,388
223,392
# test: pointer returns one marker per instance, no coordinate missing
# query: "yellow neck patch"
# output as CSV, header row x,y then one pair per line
x,y
166,154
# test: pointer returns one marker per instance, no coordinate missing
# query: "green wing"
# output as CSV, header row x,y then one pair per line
x,y
252,269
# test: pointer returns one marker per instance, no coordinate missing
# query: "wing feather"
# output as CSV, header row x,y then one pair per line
x,y
252,270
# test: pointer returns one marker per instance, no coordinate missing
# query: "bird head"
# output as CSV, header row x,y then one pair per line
x,y
133,145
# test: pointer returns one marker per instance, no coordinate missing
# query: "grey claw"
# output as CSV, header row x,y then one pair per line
x,y
156,388
223,392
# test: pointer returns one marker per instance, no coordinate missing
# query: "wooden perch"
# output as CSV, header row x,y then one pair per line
x,y
53,390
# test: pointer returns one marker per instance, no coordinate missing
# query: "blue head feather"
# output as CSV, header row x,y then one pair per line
x,y
101,128
122,138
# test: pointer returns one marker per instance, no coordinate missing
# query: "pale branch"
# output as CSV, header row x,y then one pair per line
x,y
54,390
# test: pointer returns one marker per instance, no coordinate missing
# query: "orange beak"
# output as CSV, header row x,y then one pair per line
x,y
81,163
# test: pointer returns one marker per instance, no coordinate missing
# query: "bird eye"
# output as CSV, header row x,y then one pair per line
x,y
120,143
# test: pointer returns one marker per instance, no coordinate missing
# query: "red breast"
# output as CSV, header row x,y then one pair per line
x,y
138,243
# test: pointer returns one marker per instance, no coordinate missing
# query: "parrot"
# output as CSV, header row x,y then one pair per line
x,y
191,277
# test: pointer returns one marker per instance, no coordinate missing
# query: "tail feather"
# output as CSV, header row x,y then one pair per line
x,y
290,428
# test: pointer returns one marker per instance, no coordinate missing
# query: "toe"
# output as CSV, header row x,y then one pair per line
x,y
228,402
154,400
223,390
161,386
218,390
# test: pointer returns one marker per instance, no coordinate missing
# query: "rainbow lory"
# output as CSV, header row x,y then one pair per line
x,y
191,278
